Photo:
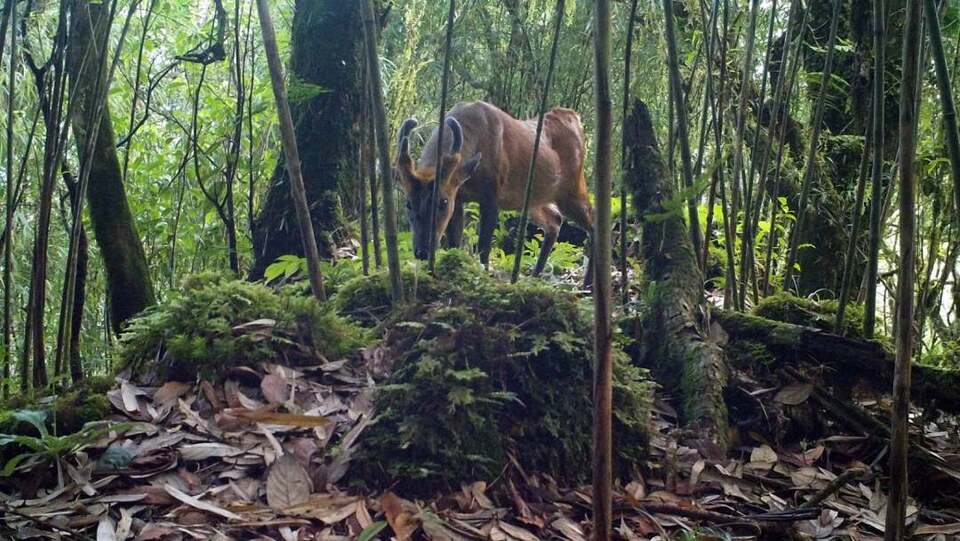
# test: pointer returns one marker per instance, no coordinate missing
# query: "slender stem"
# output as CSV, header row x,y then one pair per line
x,y
909,92
528,189
746,250
810,166
383,150
290,152
11,14
736,180
603,367
624,240
850,257
439,173
876,185
680,109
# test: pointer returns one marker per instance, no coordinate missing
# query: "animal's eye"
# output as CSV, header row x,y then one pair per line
x,y
443,203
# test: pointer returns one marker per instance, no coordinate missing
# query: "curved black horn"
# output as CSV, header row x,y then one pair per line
x,y
403,137
457,131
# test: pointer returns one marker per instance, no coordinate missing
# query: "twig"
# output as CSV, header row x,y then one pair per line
x,y
832,488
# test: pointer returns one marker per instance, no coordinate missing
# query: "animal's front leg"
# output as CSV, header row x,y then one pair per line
x,y
454,234
488,224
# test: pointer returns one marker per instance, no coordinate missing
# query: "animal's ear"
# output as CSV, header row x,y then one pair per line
x,y
469,167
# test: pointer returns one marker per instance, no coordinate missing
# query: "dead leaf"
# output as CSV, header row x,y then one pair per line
x,y
399,515
794,394
203,451
509,532
275,389
169,393
106,529
201,505
278,418
288,483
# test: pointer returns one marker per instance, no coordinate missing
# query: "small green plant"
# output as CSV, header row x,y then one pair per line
x,y
46,447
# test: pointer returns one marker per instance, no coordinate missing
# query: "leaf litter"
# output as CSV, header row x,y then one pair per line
x,y
267,456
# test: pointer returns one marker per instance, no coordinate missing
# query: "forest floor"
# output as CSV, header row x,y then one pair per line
x,y
242,461
267,455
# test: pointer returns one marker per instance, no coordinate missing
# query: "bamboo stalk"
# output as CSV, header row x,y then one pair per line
x,y
683,136
528,188
383,150
603,367
876,184
290,152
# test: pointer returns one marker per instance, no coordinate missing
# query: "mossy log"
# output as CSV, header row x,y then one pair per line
x,y
852,359
675,342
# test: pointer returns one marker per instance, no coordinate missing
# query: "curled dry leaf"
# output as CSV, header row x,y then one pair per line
x,y
275,389
400,514
288,483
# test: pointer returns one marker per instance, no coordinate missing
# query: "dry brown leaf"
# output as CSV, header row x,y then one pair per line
x,y
399,515
169,393
203,451
277,418
288,483
201,505
570,529
509,532
275,389
794,394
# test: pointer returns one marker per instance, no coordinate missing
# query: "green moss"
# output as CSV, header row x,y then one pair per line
x,y
367,299
495,370
196,331
809,313
83,402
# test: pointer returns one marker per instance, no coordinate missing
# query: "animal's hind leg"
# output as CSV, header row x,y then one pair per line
x,y
550,219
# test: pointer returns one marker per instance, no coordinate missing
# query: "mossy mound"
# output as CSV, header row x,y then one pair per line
x,y
72,408
809,313
214,323
367,300
488,371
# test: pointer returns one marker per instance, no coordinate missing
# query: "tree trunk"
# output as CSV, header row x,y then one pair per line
x,y
127,273
675,340
326,99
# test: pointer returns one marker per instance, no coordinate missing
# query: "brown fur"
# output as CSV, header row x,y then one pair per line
x,y
506,145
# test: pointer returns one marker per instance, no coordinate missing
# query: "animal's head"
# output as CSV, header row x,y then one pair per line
x,y
418,184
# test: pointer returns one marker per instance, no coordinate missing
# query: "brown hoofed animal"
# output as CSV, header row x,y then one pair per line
x,y
487,160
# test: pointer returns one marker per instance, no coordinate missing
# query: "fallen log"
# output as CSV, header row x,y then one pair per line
x,y
675,341
852,359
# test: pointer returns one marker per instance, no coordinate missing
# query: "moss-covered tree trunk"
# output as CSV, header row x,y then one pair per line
x,y
128,276
675,342
326,101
